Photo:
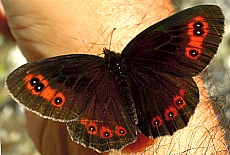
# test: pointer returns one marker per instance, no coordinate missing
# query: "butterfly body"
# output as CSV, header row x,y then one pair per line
x,y
117,69
147,88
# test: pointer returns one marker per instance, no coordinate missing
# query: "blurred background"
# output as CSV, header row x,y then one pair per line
x,y
13,136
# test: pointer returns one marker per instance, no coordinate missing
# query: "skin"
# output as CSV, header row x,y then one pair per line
x,y
50,28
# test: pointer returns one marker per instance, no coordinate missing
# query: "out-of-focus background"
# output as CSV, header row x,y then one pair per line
x,y
13,136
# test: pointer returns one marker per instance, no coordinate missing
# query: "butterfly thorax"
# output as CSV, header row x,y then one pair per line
x,y
114,63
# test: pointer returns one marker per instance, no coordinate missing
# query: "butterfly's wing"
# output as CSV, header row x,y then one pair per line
x,y
77,89
161,62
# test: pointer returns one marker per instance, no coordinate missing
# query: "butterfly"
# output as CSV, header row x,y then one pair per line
x,y
147,88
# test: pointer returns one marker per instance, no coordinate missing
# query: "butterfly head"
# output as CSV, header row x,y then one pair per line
x,y
111,56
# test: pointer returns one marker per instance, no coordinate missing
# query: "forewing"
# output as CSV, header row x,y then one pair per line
x,y
182,44
66,77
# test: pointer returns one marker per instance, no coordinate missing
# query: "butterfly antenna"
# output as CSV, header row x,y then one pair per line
x,y
110,42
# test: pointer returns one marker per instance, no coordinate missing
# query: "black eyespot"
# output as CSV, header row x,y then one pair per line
x,y
193,53
198,25
34,81
39,87
171,115
198,32
106,134
122,131
58,100
92,128
179,102
156,122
